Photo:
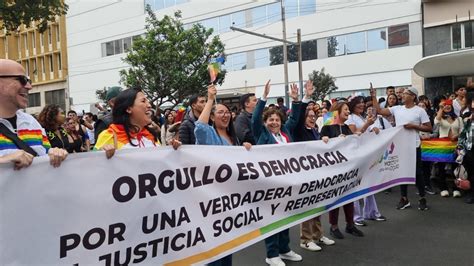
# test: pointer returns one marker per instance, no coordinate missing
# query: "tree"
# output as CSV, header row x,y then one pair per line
x,y
323,84
14,13
169,63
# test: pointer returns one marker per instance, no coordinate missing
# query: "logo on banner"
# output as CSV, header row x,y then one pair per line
x,y
388,159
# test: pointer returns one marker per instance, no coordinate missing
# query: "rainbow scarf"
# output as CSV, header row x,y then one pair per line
x,y
330,118
107,137
438,150
32,138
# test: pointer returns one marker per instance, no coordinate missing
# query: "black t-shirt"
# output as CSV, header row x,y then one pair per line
x,y
333,131
12,121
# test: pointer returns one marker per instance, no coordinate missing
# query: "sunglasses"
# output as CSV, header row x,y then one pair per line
x,y
21,78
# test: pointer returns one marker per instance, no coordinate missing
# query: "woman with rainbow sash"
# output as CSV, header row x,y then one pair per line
x,y
129,128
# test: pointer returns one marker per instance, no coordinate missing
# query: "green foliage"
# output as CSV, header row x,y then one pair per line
x,y
169,63
14,13
323,84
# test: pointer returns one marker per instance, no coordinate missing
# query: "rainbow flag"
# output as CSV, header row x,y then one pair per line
x,y
330,118
438,150
214,67
180,114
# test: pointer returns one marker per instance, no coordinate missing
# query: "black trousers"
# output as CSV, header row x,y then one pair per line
x,y
420,181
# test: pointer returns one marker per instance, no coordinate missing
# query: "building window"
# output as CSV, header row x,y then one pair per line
x,y
34,99
25,39
355,43
43,66
58,34
336,46
276,55
51,65
376,39
310,50
27,67
468,34
59,62
160,4
398,36
56,97
35,68
462,35
307,7
118,48
127,44
236,62
33,41
224,23
50,36
262,58
238,19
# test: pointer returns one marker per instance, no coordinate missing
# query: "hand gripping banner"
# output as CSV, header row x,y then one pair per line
x,y
190,206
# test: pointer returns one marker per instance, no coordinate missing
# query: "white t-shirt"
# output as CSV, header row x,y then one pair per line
x,y
415,115
356,120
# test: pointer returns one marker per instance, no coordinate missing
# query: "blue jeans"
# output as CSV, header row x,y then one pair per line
x,y
278,244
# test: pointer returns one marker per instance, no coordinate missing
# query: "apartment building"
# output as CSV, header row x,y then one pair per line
x,y
448,45
356,41
44,57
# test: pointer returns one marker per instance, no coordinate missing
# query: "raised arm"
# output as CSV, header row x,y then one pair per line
x,y
375,103
257,123
211,98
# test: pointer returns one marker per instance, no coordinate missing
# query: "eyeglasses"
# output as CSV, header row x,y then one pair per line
x,y
21,78
223,113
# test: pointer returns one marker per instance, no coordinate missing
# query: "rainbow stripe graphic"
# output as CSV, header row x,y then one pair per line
x,y
438,150
287,221
32,138
330,118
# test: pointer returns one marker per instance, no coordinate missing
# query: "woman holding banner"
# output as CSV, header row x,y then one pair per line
x,y
267,129
449,127
340,129
220,133
129,128
359,122
311,231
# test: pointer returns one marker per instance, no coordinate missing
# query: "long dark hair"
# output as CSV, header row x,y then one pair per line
x,y
354,102
230,128
120,116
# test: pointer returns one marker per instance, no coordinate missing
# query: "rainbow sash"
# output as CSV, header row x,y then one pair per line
x,y
438,150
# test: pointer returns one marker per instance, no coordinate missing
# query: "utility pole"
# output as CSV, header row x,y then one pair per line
x,y
300,60
285,53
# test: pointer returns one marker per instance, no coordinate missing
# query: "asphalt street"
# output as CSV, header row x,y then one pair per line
x,y
443,235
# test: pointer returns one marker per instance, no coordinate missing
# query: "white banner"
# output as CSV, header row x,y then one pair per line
x,y
190,206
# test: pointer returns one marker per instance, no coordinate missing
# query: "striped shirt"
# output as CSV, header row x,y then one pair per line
x,y
29,131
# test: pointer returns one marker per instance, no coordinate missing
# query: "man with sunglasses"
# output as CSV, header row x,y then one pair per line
x,y
14,88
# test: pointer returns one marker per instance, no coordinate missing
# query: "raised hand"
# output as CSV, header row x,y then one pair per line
x,y
211,93
373,92
266,90
293,93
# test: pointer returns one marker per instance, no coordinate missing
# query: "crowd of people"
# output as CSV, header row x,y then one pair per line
x,y
131,123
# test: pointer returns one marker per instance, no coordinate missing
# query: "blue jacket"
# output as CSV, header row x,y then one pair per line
x,y
261,133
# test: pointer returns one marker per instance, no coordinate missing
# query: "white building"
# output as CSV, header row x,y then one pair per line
x,y
377,41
